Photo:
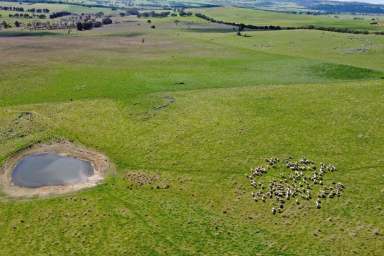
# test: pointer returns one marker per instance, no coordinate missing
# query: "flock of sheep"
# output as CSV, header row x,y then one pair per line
x,y
301,182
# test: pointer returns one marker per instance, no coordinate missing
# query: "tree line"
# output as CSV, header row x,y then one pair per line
x,y
27,16
153,14
21,9
176,12
59,14
37,25
89,24
148,14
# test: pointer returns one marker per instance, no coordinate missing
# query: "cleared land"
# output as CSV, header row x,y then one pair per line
x,y
184,115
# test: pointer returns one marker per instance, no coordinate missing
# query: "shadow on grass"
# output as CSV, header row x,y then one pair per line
x,y
21,34
133,34
345,72
210,30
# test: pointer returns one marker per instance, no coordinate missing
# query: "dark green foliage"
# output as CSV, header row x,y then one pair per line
x,y
59,14
107,21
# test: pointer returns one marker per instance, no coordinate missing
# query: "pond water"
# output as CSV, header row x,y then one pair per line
x,y
50,169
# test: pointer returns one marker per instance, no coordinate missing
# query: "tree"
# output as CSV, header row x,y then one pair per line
x,y
107,21
88,25
99,14
132,11
241,27
17,24
97,24
79,26
5,24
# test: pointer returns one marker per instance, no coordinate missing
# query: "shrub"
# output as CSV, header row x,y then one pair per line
x,y
107,21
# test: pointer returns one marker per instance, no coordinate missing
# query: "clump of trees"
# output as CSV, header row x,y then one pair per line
x,y
89,23
27,16
38,10
12,8
99,14
153,14
59,14
132,11
5,24
21,9
172,12
37,25
86,25
107,21
183,13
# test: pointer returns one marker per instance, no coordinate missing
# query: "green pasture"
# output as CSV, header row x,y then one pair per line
x,y
260,17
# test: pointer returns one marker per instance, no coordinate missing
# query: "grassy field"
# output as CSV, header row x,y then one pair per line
x,y
355,50
259,17
196,109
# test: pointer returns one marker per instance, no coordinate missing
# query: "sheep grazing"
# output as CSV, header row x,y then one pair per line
x,y
272,162
321,194
331,168
258,171
292,166
305,161
287,195
340,186
298,184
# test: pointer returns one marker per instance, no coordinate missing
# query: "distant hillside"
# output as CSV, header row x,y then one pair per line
x,y
309,5
351,7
